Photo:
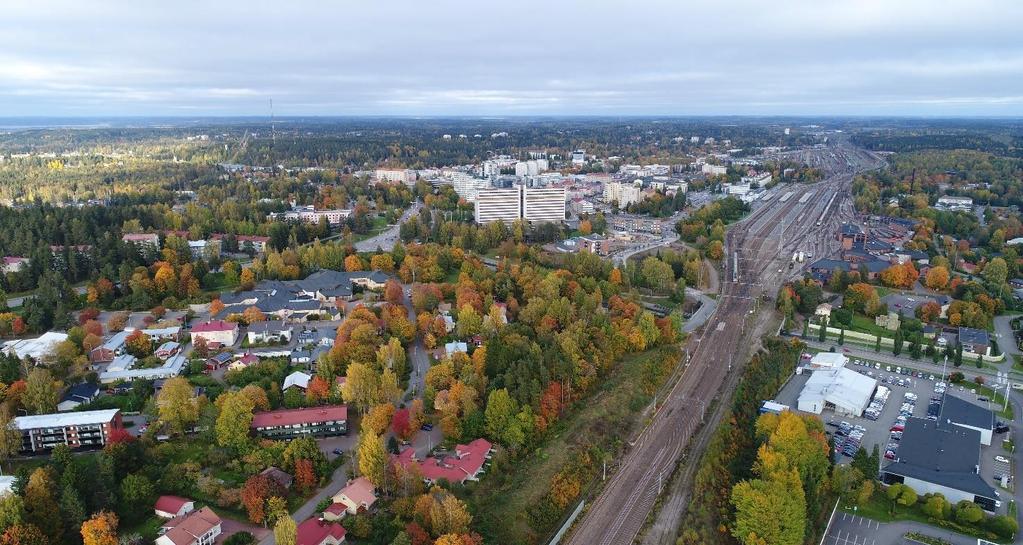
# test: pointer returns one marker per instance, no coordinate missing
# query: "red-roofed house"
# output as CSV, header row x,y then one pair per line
x,y
335,511
465,465
357,494
14,264
290,423
217,331
320,532
169,507
196,528
144,239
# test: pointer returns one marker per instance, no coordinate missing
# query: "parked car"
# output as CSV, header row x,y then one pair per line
x,y
1001,459
338,451
427,427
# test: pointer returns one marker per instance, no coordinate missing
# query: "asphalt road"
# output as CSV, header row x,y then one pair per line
x,y
385,240
755,250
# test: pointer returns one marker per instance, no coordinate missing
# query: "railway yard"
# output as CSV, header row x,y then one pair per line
x,y
759,248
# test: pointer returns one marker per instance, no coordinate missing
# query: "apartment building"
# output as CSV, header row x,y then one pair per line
x,y
499,204
86,429
322,421
543,204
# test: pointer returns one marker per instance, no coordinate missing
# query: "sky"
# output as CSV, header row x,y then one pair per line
x,y
523,57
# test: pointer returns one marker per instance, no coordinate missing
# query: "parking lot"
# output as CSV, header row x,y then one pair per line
x,y
881,426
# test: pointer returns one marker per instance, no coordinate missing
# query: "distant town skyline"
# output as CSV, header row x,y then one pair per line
x,y
458,58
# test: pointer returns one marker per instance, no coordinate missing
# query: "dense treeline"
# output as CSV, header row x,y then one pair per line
x,y
731,454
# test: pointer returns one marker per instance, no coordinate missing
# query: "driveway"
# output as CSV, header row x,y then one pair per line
x,y
1004,334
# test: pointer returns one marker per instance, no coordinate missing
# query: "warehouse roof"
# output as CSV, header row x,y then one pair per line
x,y
960,411
943,455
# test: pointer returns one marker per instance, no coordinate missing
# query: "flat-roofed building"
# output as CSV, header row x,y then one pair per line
x,y
544,204
499,204
85,429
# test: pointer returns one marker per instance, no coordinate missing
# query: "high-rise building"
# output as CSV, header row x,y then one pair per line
x,y
543,204
625,194
496,204
579,157
531,204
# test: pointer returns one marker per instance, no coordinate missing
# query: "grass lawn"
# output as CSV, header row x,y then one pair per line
x,y
866,325
148,528
878,508
500,501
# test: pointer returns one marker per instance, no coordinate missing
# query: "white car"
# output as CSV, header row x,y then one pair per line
x,y
1001,459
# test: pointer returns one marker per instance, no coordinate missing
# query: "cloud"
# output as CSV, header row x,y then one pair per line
x,y
476,58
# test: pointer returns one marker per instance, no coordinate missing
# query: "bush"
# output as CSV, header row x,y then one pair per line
x,y
241,538
842,316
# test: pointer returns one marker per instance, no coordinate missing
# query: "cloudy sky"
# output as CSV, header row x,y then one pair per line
x,y
523,57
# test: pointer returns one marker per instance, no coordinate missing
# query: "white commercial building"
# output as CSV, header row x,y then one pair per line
x,y
713,170
828,360
579,157
544,204
37,348
846,392
499,204
466,185
954,203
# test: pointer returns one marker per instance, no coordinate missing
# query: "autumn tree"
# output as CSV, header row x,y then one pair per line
x,y
372,457
401,424
305,477
10,436
937,278
24,534
138,344
177,404
41,506
255,492
253,315
862,297
101,529
318,391
378,417
216,307
354,263
285,531
42,391
234,420
392,292
996,272
257,395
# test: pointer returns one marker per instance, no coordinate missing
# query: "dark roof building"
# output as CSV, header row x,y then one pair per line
x,y
958,411
940,458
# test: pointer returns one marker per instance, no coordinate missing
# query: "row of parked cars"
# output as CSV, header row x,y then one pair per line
x,y
899,426
848,438
873,411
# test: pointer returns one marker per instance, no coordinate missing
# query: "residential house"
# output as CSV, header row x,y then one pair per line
x,y
278,476
195,528
298,379
975,341
452,348
319,532
107,351
217,361
216,333
167,349
169,507
122,368
357,494
151,240
243,361
466,464
13,264
269,332
79,394
300,357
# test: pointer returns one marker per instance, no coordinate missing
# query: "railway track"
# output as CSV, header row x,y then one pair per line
x,y
617,515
